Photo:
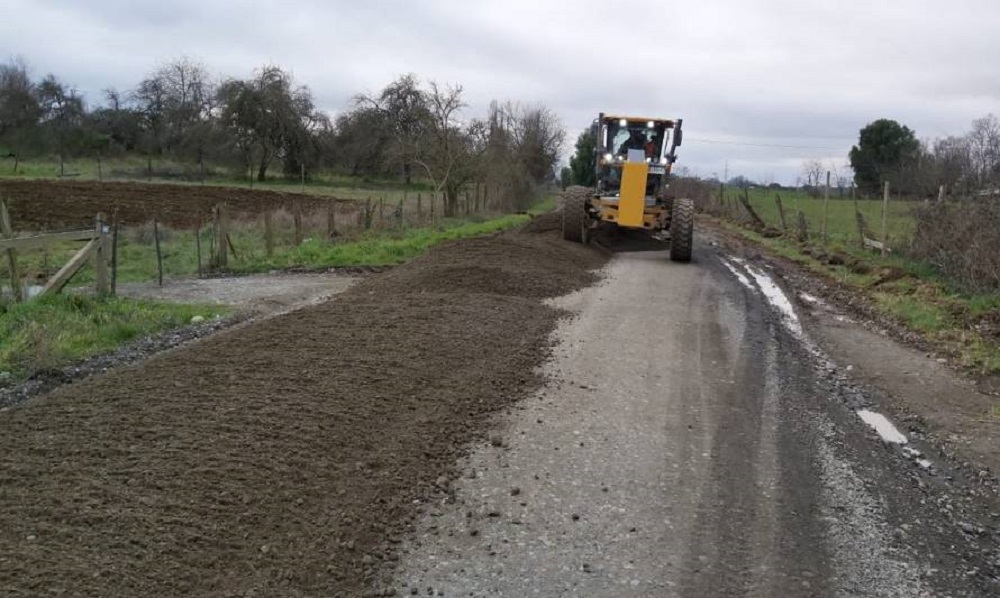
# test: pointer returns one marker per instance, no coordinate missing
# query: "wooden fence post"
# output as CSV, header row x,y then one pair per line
x,y
803,228
101,256
114,255
159,253
7,230
862,226
369,211
826,210
381,212
433,208
885,219
420,209
197,244
781,212
331,219
268,233
221,237
297,218
941,194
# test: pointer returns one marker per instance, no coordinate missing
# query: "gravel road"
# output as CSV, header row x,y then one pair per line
x,y
694,441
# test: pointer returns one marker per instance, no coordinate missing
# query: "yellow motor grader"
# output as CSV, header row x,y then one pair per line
x,y
632,162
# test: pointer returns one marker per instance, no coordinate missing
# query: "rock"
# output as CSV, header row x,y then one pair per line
x,y
576,517
496,439
197,319
441,482
515,491
367,560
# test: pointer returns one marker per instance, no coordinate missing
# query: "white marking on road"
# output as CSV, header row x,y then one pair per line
x,y
811,298
883,426
739,275
776,297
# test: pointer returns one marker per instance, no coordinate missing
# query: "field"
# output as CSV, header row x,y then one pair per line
x,y
842,224
56,205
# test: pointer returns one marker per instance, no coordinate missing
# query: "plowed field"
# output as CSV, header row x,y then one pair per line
x,y
54,205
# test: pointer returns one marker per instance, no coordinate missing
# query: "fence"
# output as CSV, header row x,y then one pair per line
x,y
174,242
877,225
97,249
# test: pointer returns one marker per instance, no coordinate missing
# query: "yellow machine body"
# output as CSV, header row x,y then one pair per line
x,y
632,202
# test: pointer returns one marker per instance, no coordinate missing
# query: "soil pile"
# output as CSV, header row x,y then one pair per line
x,y
284,458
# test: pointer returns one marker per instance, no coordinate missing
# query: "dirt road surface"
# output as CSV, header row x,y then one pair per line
x,y
494,419
693,440
261,294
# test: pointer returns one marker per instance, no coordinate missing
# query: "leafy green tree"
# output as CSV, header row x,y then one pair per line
x,y
264,115
884,148
581,164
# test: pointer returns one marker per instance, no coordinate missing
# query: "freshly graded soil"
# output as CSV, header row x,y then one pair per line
x,y
285,458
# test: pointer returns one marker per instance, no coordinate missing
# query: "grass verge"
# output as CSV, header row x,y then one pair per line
x,y
137,252
376,249
961,325
52,331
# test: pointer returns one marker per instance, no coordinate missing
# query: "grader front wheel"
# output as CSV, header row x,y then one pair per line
x,y
575,223
682,230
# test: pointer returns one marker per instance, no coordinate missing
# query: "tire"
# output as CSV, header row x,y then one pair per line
x,y
574,215
682,230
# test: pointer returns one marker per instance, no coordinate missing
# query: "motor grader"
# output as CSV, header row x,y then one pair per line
x,y
633,159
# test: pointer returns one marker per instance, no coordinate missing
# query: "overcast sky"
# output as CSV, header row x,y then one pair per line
x,y
805,74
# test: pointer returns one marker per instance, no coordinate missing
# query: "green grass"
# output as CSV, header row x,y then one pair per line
x,y
51,331
137,252
133,168
377,249
839,215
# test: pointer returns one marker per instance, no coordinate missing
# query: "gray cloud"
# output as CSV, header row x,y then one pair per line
x,y
803,73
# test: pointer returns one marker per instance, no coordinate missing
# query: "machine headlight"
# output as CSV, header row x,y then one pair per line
x,y
663,161
608,157
648,160
623,123
650,125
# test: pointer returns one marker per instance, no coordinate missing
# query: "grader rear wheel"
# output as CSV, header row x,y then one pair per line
x,y
575,223
682,230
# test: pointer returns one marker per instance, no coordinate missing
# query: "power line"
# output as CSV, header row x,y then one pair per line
x,y
720,142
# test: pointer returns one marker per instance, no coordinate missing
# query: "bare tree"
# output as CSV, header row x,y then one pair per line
x,y
406,111
446,149
984,150
812,172
19,109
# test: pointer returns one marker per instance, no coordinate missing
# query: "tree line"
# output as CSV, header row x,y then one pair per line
x,y
266,122
965,165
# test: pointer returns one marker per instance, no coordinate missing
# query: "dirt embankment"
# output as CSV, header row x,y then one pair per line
x,y
55,205
285,458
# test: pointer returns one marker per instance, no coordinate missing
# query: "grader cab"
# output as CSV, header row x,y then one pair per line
x,y
633,159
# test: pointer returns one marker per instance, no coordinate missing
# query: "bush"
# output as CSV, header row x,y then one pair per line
x,y
962,241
